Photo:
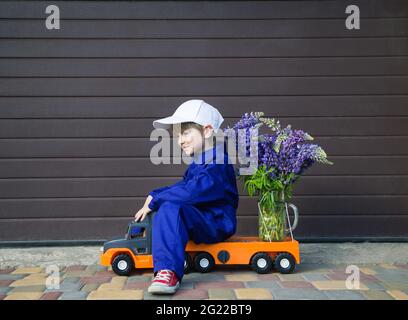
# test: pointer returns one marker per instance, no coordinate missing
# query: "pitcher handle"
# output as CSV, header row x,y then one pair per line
x,y
296,217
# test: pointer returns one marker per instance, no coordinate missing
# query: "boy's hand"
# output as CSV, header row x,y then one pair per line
x,y
142,213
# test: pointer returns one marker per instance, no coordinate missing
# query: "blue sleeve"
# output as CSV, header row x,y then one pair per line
x,y
156,191
204,187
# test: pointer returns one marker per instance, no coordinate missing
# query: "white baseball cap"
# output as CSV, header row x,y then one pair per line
x,y
197,111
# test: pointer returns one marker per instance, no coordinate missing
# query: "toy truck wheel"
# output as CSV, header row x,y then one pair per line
x,y
122,264
285,263
261,263
188,263
203,262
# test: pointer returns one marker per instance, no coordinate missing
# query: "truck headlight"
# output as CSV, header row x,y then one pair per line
x,y
101,249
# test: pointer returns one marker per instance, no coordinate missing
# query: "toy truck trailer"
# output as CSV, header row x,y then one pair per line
x,y
134,251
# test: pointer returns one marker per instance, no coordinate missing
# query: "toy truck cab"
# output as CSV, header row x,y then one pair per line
x,y
133,250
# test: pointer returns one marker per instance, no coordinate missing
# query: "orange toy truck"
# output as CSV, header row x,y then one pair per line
x,y
134,251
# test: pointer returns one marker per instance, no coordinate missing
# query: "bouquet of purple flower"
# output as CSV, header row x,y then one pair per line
x,y
282,157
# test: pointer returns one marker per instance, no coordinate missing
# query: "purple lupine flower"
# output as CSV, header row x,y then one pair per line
x,y
287,151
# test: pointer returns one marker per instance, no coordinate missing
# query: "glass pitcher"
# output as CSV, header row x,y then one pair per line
x,y
273,221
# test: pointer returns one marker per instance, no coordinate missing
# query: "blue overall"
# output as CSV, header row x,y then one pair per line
x,y
201,207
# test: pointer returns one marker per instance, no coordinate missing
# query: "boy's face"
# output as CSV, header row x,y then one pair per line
x,y
193,141
190,141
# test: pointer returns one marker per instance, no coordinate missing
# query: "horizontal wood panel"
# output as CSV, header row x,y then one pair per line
x,y
200,10
201,67
92,128
337,227
159,107
199,86
180,29
104,228
121,207
145,167
77,105
184,48
140,147
118,187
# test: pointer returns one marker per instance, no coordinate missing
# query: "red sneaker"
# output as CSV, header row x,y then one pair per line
x,y
165,282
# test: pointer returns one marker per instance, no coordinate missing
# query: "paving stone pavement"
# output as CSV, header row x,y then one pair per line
x,y
307,282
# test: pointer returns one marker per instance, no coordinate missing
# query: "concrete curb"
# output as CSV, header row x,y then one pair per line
x,y
349,253
324,253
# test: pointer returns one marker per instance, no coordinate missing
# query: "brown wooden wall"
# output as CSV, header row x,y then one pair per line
x,y
77,105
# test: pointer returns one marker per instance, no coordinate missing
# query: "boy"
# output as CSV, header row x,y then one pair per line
x,y
202,206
